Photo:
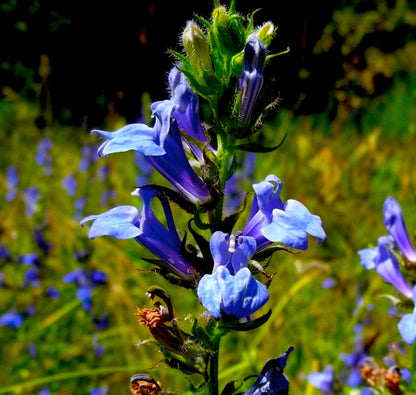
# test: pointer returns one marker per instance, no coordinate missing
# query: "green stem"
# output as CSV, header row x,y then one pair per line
x,y
213,370
225,155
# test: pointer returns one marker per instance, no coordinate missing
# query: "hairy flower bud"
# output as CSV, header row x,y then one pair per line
x,y
265,33
197,49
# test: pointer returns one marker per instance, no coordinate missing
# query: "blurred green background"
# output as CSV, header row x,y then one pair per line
x,y
348,90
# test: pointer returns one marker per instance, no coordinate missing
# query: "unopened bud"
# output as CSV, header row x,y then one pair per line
x,y
196,47
265,33
251,79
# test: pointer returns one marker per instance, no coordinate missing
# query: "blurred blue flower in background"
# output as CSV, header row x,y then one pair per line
x,y
86,281
31,196
324,380
12,319
69,183
12,180
43,157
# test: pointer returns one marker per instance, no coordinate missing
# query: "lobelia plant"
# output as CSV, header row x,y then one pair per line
x,y
197,152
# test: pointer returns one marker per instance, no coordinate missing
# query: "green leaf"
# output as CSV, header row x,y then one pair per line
x,y
258,148
246,326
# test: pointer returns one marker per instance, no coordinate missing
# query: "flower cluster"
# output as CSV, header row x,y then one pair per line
x,y
220,71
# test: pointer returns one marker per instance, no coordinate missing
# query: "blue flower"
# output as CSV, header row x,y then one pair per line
x,y
53,292
231,288
394,222
69,183
123,222
12,180
45,391
407,324
100,391
86,282
383,260
12,319
271,220
43,158
272,379
324,380
181,175
185,105
31,196
251,78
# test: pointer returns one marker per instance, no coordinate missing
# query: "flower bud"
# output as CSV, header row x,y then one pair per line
x,y
197,49
251,79
265,33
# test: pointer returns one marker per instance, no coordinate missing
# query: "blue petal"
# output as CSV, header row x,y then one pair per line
x,y
137,137
394,222
208,294
120,222
239,295
291,226
162,111
219,248
407,328
368,256
268,195
245,249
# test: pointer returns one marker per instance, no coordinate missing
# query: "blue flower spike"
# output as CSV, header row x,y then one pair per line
x,y
231,289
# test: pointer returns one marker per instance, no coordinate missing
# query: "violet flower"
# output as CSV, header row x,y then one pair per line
x,y
231,288
394,222
383,260
123,222
271,220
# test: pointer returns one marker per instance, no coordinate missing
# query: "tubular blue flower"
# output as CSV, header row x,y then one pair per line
x,y
407,324
272,379
231,288
31,197
251,78
394,222
123,222
181,175
185,105
382,259
324,380
271,220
